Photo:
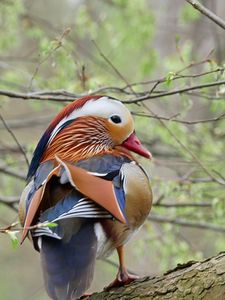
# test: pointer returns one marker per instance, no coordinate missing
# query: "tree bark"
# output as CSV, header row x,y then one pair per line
x,y
190,281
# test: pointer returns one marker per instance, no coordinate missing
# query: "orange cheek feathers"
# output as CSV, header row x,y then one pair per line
x,y
119,133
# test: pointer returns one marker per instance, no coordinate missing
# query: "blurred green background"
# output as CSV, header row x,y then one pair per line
x,y
53,45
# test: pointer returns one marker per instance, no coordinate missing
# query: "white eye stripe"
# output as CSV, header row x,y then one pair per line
x,y
103,107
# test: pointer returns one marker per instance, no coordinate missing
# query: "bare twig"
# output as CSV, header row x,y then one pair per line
x,y
112,66
56,47
185,223
206,12
17,227
12,173
15,139
184,204
59,96
206,95
11,202
37,96
178,75
220,117
26,123
193,155
9,227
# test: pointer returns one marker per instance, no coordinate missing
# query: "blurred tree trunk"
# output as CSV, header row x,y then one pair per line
x,y
193,280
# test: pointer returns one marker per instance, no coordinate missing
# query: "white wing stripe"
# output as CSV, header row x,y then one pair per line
x,y
84,208
67,216
45,231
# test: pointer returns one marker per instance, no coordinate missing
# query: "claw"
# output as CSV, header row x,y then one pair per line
x,y
123,278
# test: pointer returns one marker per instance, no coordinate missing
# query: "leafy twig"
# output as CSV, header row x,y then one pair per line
x,y
176,91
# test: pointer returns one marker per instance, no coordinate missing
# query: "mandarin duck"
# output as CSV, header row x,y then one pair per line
x,y
84,179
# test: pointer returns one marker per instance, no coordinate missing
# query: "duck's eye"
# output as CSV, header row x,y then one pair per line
x,y
116,119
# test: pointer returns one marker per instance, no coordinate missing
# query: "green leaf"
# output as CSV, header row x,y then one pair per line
x,y
49,225
13,237
169,78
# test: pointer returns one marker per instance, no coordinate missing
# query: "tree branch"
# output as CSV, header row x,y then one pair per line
x,y
37,96
176,91
192,280
63,96
206,12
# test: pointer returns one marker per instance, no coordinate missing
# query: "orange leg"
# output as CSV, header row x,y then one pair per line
x,y
123,276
